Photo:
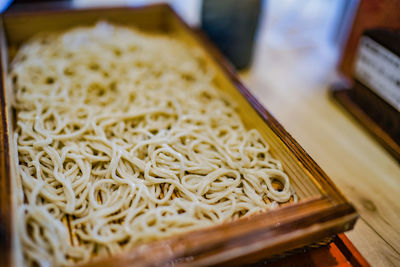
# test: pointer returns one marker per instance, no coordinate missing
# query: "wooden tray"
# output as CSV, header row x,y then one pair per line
x,y
321,212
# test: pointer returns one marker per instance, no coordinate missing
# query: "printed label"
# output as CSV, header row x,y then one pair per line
x,y
379,69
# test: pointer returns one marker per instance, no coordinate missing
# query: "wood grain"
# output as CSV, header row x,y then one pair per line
x,y
375,249
363,170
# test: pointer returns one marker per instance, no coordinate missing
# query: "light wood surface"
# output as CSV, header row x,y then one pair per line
x,y
293,84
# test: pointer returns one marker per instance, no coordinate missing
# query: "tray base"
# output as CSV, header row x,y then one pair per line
x,y
339,252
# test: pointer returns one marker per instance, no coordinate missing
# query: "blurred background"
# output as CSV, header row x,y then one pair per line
x,y
278,42
305,27
295,31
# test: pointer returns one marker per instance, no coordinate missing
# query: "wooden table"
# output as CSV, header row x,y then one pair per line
x,y
293,84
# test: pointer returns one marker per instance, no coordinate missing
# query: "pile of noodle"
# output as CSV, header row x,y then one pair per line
x,y
123,138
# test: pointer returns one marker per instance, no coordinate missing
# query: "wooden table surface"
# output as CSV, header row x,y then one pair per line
x,y
293,84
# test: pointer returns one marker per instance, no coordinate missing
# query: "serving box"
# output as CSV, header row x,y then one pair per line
x,y
321,212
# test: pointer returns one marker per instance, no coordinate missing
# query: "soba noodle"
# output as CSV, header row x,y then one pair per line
x,y
124,138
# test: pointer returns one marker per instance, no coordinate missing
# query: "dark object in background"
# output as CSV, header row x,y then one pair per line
x,y
38,4
374,97
370,14
377,79
231,25
367,105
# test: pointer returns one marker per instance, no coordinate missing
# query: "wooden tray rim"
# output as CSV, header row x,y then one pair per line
x,y
331,206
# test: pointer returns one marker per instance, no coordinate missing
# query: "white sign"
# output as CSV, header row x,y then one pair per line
x,y
379,69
